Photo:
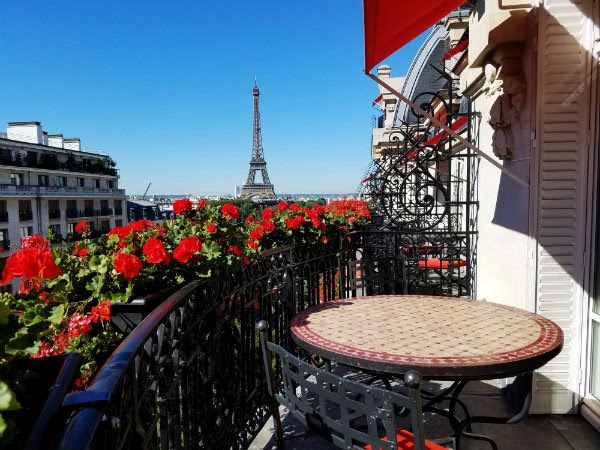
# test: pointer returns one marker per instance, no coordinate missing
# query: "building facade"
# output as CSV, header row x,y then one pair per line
x,y
48,182
529,79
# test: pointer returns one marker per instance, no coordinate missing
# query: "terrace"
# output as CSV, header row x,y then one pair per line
x,y
189,372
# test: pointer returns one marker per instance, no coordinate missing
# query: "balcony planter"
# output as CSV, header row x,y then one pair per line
x,y
126,316
40,420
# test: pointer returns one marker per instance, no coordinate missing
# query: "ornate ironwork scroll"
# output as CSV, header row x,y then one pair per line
x,y
423,193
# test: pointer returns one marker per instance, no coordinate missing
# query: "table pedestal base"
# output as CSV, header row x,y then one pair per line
x,y
462,427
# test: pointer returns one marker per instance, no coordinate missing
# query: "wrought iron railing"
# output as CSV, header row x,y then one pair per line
x,y
190,375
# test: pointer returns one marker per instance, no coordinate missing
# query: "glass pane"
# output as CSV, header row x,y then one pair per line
x,y
595,374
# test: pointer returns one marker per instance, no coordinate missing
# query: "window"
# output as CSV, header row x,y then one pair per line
x,y
26,231
16,179
88,207
25,212
70,228
4,239
80,182
55,233
118,223
72,209
24,205
53,209
61,181
105,225
3,211
43,180
109,184
96,184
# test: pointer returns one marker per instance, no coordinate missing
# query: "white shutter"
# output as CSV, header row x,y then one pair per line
x,y
562,132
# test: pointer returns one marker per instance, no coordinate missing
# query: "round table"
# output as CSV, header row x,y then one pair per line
x,y
443,338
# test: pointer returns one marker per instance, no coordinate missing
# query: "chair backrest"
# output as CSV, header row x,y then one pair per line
x,y
344,411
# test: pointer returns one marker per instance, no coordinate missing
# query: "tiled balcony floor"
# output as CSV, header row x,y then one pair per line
x,y
536,432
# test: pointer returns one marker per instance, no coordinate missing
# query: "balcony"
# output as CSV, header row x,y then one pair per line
x,y
63,190
105,212
54,213
87,212
72,213
118,211
229,377
25,215
52,163
3,216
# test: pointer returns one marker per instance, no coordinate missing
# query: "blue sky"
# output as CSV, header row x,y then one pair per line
x,y
164,87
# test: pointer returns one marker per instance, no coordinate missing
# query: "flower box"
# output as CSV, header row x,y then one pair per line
x,y
126,316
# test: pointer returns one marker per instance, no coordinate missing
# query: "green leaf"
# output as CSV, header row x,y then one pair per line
x,y
8,399
211,250
113,239
22,342
4,313
95,285
2,426
57,314
99,264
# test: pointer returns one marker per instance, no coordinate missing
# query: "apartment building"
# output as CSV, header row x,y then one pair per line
x,y
48,182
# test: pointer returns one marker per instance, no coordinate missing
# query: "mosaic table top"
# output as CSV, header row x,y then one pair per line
x,y
441,337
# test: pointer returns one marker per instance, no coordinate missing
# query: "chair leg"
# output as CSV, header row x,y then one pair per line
x,y
277,425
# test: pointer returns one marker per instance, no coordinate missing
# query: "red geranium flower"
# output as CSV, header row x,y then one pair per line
x,y
282,206
268,226
32,264
256,234
142,225
34,241
294,222
252,244
182,205
128,265
230,211
186,248
201,204
249,219
235,250
80,251
268,214
101,312
79,325
155,252
81,226
211,228
294,207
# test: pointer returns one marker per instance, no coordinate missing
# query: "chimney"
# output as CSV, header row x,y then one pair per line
x,y
72,144
44,137
25,132
55,140
384,71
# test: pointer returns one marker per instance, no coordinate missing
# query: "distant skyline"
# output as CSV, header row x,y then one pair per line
x,y
165,88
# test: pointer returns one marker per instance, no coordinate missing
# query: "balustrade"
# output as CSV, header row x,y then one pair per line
x,y
190,374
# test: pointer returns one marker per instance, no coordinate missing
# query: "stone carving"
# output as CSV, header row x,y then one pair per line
x,y
505,87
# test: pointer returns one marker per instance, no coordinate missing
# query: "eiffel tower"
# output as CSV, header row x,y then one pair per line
x,y
257,161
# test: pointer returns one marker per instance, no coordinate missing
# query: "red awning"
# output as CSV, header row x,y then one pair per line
x,y
389,24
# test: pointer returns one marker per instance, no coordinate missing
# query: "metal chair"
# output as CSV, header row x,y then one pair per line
x,y
348,414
